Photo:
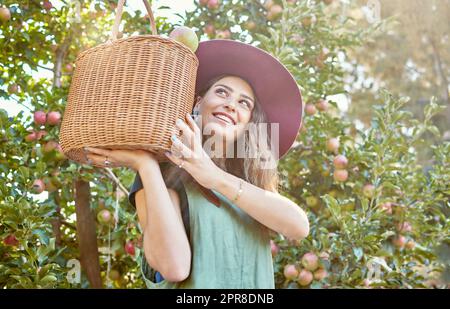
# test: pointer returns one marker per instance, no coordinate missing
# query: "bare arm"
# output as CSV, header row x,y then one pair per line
x,y
271,209
166,245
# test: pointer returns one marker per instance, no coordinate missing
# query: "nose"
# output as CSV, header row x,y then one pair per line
x,y
230,104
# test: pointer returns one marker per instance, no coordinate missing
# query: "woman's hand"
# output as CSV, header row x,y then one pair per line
x,y
190,155
119,157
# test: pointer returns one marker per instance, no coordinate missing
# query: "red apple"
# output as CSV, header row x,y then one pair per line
x,y
69,67
47,5
274,12
369,190
410,245
5,14
13,88
213,4
387,207
40,117
273,248
399,241
333,145
40,134
53,118
10,240
305,277
340,161
60,153
340,175
50,146
129,248
310,261
203,2
114,275
290,272
104,216
209,29
404,227
310,109
308,21
186,36
31,137
320,274
250,25
223,34
38,186
322,105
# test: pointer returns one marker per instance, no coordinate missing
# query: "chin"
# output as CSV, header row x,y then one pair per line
x,y
218,131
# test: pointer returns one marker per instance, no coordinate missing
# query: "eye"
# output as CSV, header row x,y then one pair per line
x,y
246,103
221,90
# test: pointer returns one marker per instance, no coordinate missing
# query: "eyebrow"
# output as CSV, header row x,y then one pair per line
x,y
230,89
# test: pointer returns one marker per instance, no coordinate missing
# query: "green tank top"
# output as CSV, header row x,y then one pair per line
x,y
229,248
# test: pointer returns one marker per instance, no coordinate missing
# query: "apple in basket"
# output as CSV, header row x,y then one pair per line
x,y
185,36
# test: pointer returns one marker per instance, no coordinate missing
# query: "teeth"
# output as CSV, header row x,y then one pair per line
x,y
226,119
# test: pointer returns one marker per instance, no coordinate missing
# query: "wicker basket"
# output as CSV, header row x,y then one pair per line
x,y
127,93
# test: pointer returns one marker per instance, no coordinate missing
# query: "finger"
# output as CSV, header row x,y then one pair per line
x,y
197,133
193,125
176,160
98,160
177,145
188,135
99,151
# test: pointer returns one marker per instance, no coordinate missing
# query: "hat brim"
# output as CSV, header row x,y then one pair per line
x,y
274,86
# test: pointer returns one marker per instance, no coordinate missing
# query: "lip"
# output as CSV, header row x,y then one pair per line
x,y
225,115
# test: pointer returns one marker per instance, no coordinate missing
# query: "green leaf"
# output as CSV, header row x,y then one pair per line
x,y
25,172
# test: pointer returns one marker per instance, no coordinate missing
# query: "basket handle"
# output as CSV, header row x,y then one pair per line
x,y
119,11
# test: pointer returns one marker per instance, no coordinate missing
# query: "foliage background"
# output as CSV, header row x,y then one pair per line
x,y
392,142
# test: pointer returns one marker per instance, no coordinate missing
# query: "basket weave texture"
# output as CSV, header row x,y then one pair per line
x,y
127,94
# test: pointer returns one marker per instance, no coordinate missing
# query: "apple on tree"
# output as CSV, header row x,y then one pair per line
x,y
5,14
10,240
290,272
310,261
305,277
40,118
310,109
38,186
53,118
47,5
213,4
274,248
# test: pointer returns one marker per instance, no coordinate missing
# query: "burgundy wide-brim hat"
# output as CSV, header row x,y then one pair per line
x,y
273,85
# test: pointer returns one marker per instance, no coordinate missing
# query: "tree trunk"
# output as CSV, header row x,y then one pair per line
x,y
87,237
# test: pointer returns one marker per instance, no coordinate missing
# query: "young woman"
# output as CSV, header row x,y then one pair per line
x,y
208,212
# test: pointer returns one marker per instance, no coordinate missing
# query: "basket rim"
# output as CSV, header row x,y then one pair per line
x,y
140,37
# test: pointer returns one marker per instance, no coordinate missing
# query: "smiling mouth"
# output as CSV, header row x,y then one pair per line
x,y
224,118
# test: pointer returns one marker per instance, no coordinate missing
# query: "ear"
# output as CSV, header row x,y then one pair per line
x,y
197,103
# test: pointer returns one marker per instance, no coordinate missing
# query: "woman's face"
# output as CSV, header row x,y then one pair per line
x,y
226,108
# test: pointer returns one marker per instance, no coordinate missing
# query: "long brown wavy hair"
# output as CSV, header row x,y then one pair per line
x,y
257,151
